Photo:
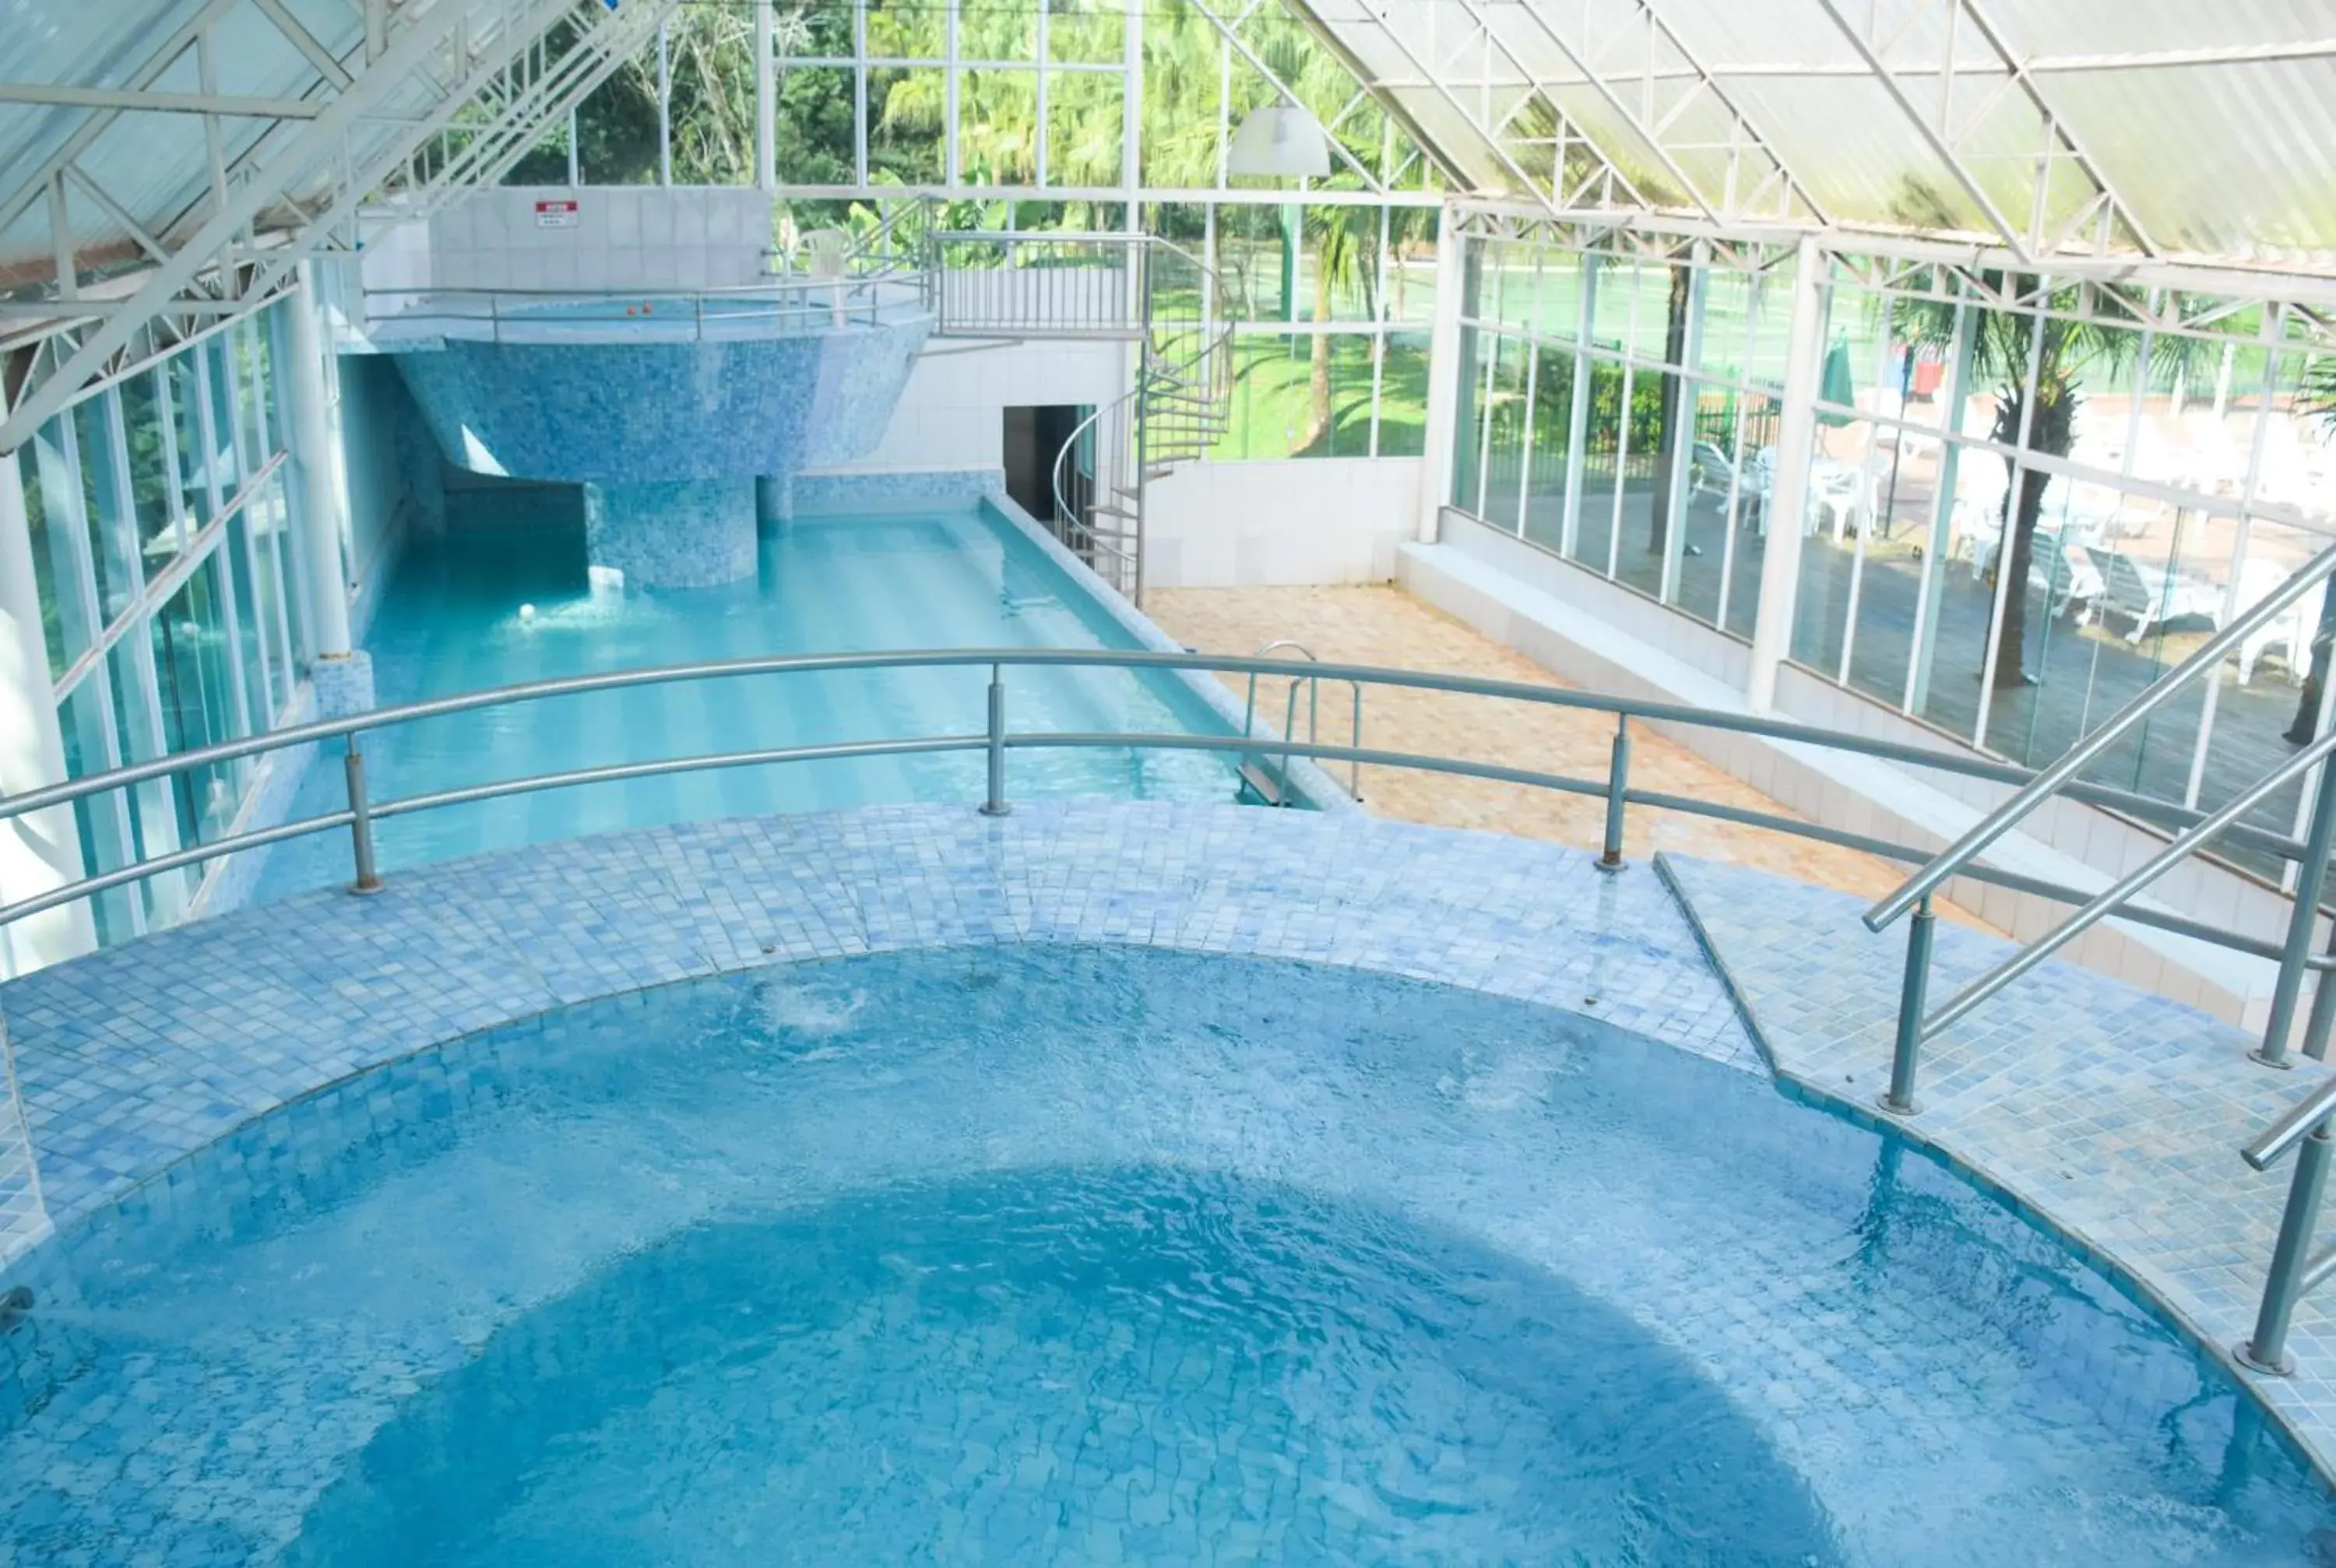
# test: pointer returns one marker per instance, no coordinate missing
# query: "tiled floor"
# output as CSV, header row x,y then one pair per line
x,y
1387,625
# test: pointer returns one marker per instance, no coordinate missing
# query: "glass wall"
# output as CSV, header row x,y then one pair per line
x,y
2026,497
1070,116
2029,496
165,571
1619,409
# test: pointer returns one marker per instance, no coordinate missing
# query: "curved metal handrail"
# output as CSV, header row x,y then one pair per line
x,y
1313,711
2294,1270
997,741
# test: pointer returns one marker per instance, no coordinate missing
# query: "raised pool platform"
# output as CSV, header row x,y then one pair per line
x,y
2111,1116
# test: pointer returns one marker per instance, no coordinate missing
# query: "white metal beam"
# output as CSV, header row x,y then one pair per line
x,y
1655,38
152,102
28,188
1226,31
2036,236
458,49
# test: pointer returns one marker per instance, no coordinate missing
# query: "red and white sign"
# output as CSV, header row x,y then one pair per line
x,y
555,215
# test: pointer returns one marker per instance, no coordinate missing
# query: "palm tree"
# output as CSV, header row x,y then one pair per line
x,y
1668,413
2038,416
1340,253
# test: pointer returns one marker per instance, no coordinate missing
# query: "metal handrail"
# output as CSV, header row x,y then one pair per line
x,y
856,296
2113,898
1999,820
1614,787
1313,713
1646,711
2294,1269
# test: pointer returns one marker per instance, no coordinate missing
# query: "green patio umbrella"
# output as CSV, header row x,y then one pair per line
x,y
1837,386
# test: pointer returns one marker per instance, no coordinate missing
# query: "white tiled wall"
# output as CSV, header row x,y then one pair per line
x,y
1297,522
637,237
952,413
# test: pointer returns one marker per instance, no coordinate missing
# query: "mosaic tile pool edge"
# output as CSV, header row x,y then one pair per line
x,y
140,1053
1822,1022
132,1058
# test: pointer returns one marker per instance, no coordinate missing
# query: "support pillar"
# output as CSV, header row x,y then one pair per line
x,y
1444,368
767,96
683,533
40,852
343,675
775,503
1786,509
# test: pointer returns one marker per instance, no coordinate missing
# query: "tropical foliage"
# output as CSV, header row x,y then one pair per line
x,y
2038,366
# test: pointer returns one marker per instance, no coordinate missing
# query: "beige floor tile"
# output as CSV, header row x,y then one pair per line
x,y
1372,625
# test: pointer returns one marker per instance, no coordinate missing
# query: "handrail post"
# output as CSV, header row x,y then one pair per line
x,y
368,880
2302,922
1617,781
2321,1021
1906,1055
2265,1351
996,805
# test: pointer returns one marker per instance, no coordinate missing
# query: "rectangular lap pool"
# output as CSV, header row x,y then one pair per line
x,y
479,609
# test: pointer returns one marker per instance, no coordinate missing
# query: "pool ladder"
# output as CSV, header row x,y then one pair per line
x,y
1260,776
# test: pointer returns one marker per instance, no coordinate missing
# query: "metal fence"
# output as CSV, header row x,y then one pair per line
x,y
775,308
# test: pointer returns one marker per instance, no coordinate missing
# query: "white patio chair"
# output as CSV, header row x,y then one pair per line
x,y
2148,595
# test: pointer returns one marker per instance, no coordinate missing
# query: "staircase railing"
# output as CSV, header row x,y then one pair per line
x,y
1915,1025
1172,415
2295,1268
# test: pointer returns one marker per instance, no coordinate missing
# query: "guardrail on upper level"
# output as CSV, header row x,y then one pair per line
x,y
773,308
1017,283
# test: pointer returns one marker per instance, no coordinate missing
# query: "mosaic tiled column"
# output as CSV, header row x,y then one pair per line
x,y
774,501
693,533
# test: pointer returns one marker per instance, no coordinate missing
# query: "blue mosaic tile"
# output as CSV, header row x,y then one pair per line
x,y
2111,1115
621,413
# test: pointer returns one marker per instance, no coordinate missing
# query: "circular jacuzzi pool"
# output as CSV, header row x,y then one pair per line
x,y
1081,1256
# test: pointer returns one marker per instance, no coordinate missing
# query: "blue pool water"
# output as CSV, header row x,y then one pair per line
x,y
452,621
1076,1255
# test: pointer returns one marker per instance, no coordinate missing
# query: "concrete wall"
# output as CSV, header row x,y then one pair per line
x,y
1296,521
389,468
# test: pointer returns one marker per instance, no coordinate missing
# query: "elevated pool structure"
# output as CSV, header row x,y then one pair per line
x,y
684,415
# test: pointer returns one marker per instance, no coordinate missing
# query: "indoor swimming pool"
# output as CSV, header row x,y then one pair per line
x,y
1077,1254
491,608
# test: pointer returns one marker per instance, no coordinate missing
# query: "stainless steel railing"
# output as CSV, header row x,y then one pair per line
x,y
774,307
1915,1025
1018,284
2051,780
2294,1269
996,740
1313,685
